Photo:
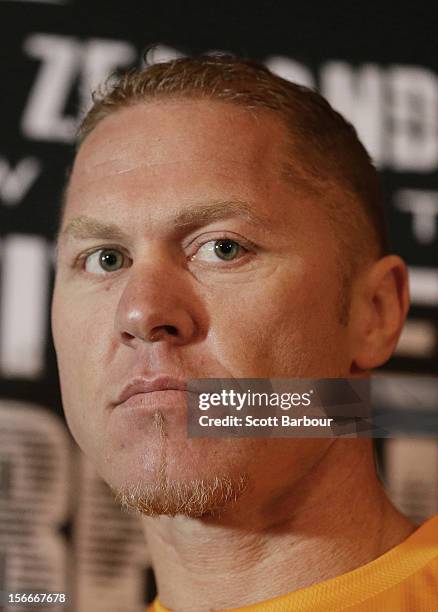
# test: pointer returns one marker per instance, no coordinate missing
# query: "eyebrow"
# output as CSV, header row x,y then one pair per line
x,y
83,227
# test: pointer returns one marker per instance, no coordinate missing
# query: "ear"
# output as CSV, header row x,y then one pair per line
x,y
378,312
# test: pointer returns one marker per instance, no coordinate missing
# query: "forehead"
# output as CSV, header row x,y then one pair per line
x,y
164,131
146,157
165,137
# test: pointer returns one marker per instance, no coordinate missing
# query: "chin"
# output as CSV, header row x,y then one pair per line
x,y
193,498
161,490
171,479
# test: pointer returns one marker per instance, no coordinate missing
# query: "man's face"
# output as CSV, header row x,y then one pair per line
x,y
169,298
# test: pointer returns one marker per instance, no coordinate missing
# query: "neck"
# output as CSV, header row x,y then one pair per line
x,y
330,522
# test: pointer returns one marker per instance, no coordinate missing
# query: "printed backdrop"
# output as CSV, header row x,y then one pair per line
x,y
59,529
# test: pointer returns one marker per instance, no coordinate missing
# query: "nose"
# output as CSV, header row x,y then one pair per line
x,y
156,305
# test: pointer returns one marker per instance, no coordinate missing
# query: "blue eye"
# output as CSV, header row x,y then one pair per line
x,y
104,260
224,249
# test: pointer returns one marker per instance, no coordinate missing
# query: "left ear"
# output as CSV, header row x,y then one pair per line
x,y
378,312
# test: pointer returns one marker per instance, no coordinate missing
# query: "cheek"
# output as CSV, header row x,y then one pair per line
x,y
81,325
286,326
79,332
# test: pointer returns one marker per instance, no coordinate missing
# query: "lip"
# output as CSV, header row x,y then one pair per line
x,y
149,385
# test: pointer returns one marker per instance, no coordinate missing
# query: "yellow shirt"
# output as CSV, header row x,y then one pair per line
x,y
404,579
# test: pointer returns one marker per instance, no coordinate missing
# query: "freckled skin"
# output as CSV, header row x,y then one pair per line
x,y
273,314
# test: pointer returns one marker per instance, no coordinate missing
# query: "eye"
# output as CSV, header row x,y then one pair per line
x,y
224,249
104,260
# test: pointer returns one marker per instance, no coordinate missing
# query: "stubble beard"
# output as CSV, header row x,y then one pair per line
x,y
193,498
